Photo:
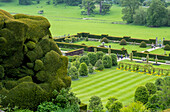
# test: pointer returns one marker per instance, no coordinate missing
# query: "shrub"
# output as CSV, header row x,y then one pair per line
x,y
95,104
87,39
114,59
47,107
68,40
141,94
84,59
167,47
73,72
38,65
1,72
107,61
74,39
143,44
83,44
105,40
83,71
99,55
151,88
92,58
90,67
115,107
76,64
31,45
123,42
99,65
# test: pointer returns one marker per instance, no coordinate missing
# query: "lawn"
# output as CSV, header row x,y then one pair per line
x,y
110,82
115,45
160,51
68,20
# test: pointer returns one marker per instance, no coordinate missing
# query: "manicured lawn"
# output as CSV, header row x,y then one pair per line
x,y
68,20
115,45
164,66
160,51
110,82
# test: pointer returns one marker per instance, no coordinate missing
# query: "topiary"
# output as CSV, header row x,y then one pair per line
x,y
99,55
84,59
123,42
143,44
95,104
73,72
1,72
38,65
107,61
114,59
76,64
31,45
151,88
83,71
105,40
92,58
167,47
90,67
99,65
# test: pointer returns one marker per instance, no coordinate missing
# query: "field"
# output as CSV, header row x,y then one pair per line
x,y
160,51
110,82
68,20
115,46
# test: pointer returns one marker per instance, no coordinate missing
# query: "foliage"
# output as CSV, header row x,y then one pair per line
x,y
156,14
107,61
1,72
47,107
73,2
73,72
89,6
90,68
167,47
76,64
151,88
140,17
84,59
131,56
99,65
143,44
83,71
99,55
92,57
134,107
123,42
25,2
114,59
105,40
95,104
141,94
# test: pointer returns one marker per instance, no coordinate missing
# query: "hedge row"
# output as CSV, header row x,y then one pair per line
x,y
63,38
160,57
75,52
90,48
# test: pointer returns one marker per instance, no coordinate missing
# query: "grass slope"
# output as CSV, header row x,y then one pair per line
x,y
110,82
68,20
160,51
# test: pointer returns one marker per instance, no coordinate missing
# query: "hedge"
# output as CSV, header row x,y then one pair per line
x,y
75,52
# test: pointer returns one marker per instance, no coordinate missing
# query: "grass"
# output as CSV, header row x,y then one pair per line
x,y
115,45
164,66
110,82
69,21
160,51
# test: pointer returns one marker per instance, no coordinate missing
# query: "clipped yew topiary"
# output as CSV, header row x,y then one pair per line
x,y
31,64
123,42
92,58
167,47
99,55
83,71
90,67
105,40
85,59
107,61
114,59
143,44
73,72
99,65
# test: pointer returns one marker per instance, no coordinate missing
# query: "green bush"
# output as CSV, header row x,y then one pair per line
x,y
73,72
76,64
107,61
142,44
114,59
123,42
92,58
99,65
68,40
84,59
10,84
1,72
90,67
31,45
38,65
105,40
83,71
47,107
95,104
87,39
141,94
99,55
151,88
167,47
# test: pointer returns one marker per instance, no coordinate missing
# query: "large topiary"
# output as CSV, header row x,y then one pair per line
x,y
123,42
92,58
142,44
99,65
107,61
73,72
151,87
85,59
83,71
167,47
105,40
114,59
31,64
99,55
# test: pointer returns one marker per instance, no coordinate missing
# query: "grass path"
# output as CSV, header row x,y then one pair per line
x,y
110,82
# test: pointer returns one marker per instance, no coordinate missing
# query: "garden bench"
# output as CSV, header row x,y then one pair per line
x,y
167,62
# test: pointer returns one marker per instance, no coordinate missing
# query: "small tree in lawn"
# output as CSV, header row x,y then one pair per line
x,y
83,71
141,94
151,87
95,104
99,55
99,65
76,64
147,58
107,61
90,67
131,56
84,59
92,58
123,42
114,59
73,73
143,44
167,47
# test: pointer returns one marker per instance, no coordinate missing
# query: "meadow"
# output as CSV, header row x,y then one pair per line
x,y
110,82
68,20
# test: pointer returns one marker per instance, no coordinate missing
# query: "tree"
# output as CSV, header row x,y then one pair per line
x,y
99,65
156,14
83,71
84,59
129,9
167,47
105,40
73,2
92,58
104,6
25,2
114,59
141,94
107,61
88,5
95,104
123,42
99,55
140,17
90,67
76,64
143,44
151,88
73,72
